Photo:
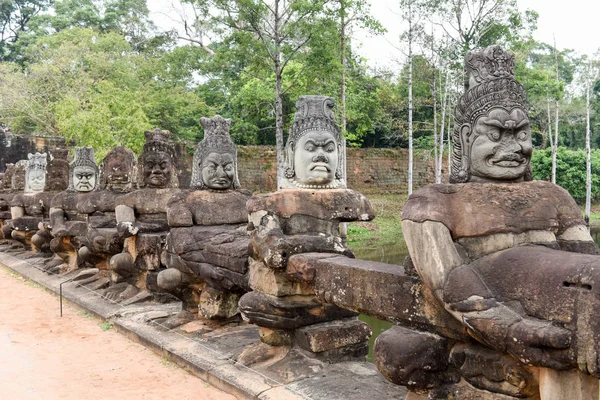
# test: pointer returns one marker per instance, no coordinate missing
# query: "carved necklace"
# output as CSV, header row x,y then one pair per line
x,y
333,185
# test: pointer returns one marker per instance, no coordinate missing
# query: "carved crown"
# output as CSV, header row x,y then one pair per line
x,y
490,63
84,157
37,161
215,126
157,140
314,113
216,139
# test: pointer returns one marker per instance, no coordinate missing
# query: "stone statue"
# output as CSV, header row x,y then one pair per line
x,y
117,176
57,180
142,214
69,226
315,149
207,247
215,159
35,175
6,195
30,209
510,259
305,217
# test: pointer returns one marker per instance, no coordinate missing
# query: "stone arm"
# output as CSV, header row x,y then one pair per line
x,y
468,298
125,217
577,239
17,212
58,222
179,215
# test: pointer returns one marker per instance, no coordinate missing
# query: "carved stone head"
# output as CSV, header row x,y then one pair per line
x,y
492,137
157,161
315,146
117,170
18,177
35,175
57,171
84,170
215,158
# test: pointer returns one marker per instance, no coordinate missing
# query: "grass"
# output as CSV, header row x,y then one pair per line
x,y
105,326
385,229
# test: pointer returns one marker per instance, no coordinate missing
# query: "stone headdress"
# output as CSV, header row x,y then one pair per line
x,y
157,141
216,140
315,113
57,170
84,157
36,162
489,83
127,160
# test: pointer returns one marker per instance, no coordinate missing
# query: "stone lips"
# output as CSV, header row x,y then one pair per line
x,y
482,209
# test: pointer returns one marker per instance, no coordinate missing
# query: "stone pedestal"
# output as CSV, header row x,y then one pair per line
x,y
286,308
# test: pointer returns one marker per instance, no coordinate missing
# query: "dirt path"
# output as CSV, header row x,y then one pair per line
x,y
44,356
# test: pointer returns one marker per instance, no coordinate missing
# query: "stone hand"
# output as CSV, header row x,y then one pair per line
x,y
533,342
126,229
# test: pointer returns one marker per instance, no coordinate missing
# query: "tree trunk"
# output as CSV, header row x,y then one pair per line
x,y
444,108
278,96
588,151
555,147
343,63
435,135
410,101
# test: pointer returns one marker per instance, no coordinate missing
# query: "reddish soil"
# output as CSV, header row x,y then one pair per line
x,y
44,356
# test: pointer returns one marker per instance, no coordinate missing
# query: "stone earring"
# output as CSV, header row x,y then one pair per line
x,y
289,172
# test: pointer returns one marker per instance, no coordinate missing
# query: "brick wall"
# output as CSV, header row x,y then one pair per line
x,y
367,170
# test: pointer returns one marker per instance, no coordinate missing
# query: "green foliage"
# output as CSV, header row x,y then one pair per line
x,y
96,90
105,326
570,171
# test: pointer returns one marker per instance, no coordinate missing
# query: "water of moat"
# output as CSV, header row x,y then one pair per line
x,y
395,254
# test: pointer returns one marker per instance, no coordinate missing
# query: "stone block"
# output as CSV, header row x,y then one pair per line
x,y
288,312
333,204
332,335
275,283
415,359
476,210
302,267
352,352
275,249
217,304
203,207
275,337
382,290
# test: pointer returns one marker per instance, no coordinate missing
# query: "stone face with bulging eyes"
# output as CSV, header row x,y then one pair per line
x,y
218,171
84,179
157,170
316,158
501,148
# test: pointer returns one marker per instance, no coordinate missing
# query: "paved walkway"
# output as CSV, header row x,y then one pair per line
x,y
44,356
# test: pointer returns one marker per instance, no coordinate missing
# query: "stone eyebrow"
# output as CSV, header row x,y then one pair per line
x,y
320,143
494,122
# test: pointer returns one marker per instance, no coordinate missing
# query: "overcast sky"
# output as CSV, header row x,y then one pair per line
x,y
573,22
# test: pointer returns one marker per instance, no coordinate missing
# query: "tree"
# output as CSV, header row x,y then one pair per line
x,y
14,18
272,34
350,14
96,90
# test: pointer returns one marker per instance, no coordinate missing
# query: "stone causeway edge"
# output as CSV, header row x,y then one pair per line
x,y
216,369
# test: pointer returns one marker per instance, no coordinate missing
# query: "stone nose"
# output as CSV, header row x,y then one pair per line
x,y
320,157
220,171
